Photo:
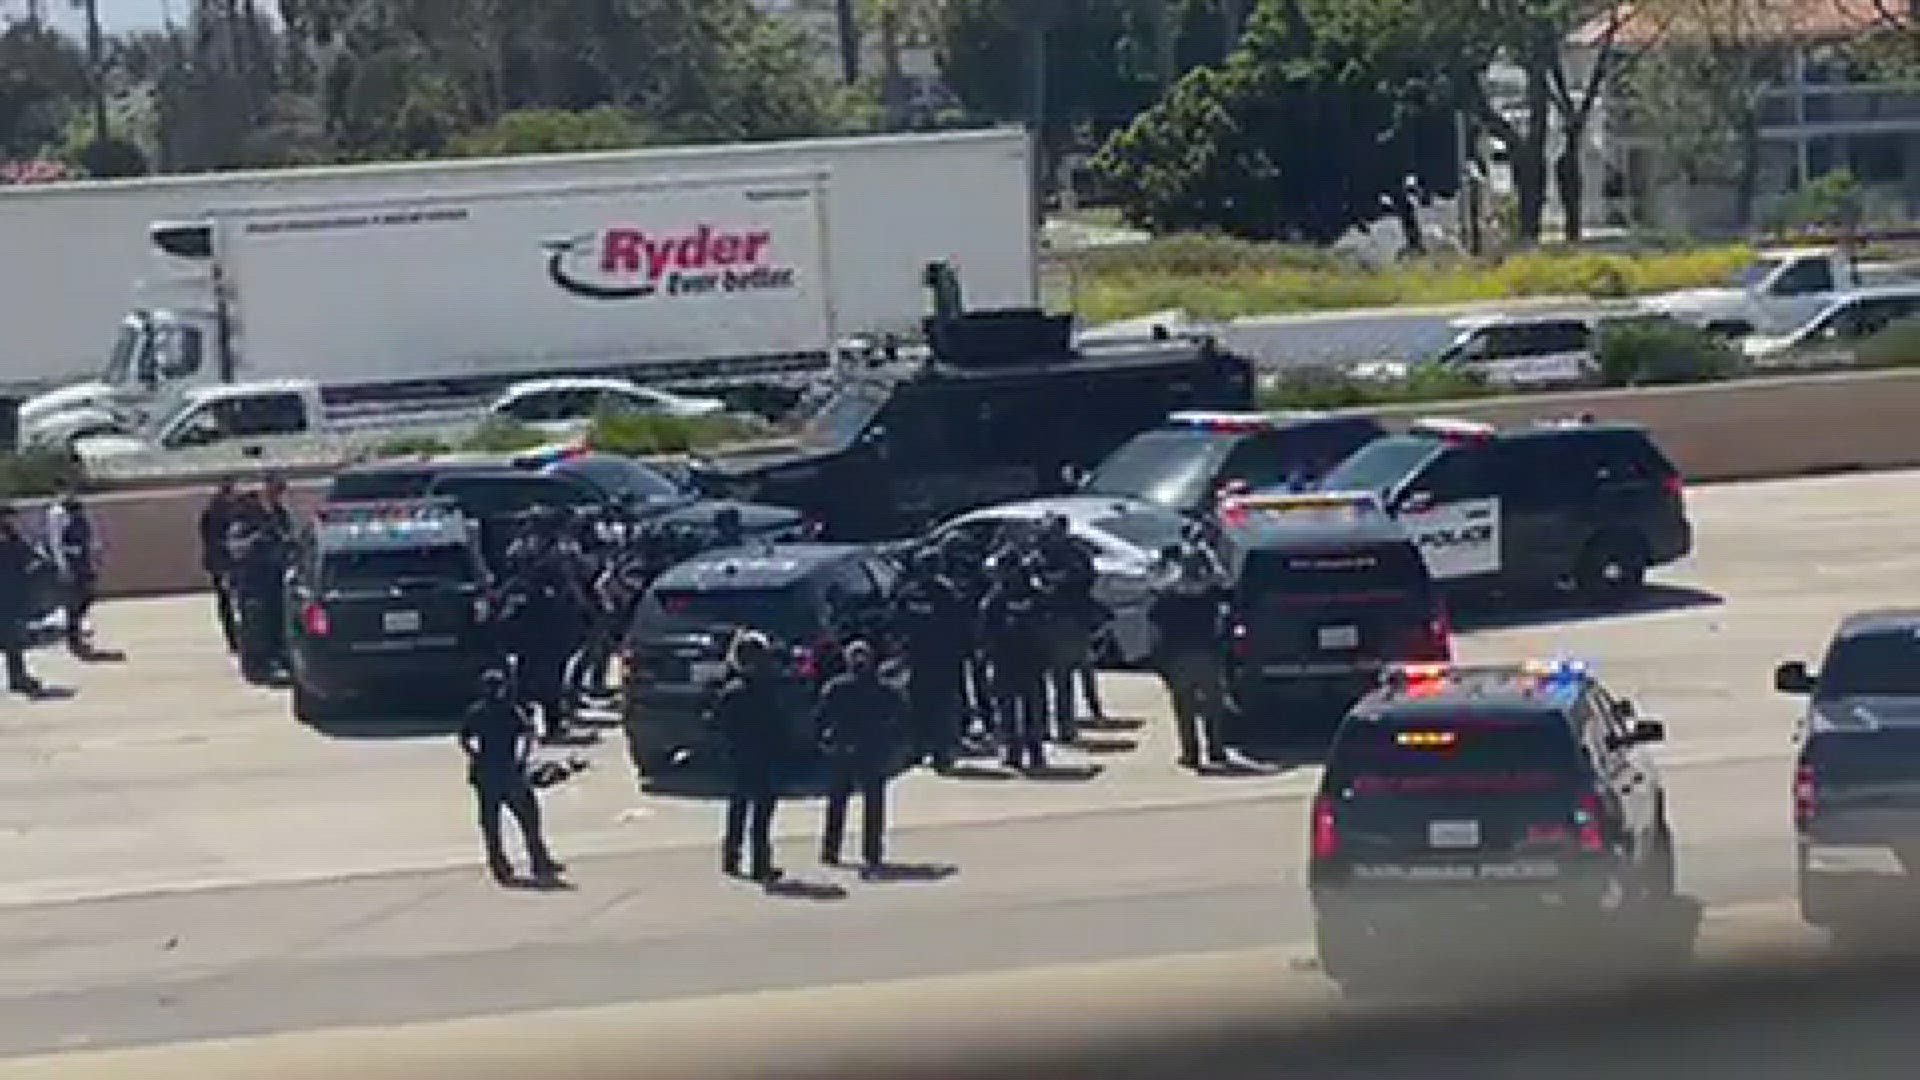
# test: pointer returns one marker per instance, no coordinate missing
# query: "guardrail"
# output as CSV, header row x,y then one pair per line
x,y
1714,432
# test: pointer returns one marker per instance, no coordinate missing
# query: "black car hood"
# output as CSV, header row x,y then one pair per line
x,y
755,518
758,461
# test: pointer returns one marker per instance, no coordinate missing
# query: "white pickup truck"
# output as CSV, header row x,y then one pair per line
x,y
1776,293
284,424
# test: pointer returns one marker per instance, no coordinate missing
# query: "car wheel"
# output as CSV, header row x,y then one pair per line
x,y
1613,568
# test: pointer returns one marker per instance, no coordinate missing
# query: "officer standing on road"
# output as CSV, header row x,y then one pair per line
x,y
930,615
260,557
1188,617
860,720
1012,632
216,558
748,718
539,618
1070,575
76,551
964,564
273,502
497,741
18,558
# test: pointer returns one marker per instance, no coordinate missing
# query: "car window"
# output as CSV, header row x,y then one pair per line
x,y
1382,573
379,484
1173,467
1260,460
207,424
1881,663
1382,464
530,408
1806,276
786,614
503,496
1147,533
1457,753
616,477
1460,472
269,414
377,569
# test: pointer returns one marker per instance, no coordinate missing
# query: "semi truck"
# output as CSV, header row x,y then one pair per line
x,y
676,265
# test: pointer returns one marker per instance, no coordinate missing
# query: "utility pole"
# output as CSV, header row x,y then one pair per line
x,y
1233,15
1037,113
97,63
848,25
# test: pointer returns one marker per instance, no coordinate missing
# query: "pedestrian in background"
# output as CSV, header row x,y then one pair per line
x,y
498,742
75,549
750,722
19,560
217,519
861,721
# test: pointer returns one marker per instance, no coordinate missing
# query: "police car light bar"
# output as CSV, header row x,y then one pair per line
x,y
1556,670
1222,421
1452,429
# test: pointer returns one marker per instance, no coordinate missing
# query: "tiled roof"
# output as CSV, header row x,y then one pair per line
x,y
1756,21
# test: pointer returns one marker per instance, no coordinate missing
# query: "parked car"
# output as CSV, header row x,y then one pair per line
x,y
562,406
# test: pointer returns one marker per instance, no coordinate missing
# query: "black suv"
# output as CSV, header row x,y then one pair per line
x,y
1185,462
807,597
1589,504
1003,407
388,603
1503,798
1856,792
1327,590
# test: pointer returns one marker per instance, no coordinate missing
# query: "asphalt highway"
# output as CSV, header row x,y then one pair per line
x,y
185,861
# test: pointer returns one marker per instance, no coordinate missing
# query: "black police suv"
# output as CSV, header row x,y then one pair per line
x,y
1856,788
1184,463
1326,592
1592,505
807,598
1508,799
388,607
1000,407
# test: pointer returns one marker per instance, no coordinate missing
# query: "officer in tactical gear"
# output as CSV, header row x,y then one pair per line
x,y
933,620
498,740
1013,636
1188,614
76,556
540,618
259,551
216,558
1069,576
860,720
963,562
750,721
18,561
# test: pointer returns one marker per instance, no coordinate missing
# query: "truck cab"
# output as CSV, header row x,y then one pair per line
x,y
1778,291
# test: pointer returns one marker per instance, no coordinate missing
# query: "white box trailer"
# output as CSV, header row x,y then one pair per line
x,y
73,256
669,275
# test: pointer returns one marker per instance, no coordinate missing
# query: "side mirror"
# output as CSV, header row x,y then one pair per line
x,y
1794,678
1072,475
1624,709
1649,731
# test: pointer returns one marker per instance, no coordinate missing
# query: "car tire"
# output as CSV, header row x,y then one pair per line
x,y
310,708
1613,568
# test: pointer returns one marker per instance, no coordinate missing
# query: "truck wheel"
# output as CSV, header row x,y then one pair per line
x,y
1613,568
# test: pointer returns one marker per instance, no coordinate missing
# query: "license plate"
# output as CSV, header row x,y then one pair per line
x,y
401,622
1453,835
706,671
1339,637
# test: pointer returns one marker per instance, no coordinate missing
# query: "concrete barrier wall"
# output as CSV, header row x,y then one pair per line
x,y
1740,431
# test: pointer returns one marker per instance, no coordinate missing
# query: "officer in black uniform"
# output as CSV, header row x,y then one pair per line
x,y
497,741
260,558
18,560
1069,574
964,563
1013,635
728,528
76,551
860,720
1188,616
539,620
932,618
750,722
216,558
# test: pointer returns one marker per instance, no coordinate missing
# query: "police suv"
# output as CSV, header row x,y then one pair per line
x,y
1184,463
1327,590
1505,798
1856,797
1593,505
808,598
388,604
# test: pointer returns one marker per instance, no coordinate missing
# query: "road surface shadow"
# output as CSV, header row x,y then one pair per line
x,y
1276,758
523,883
1105,746
47,693
788,888
102,656
1069,774
1243,769
971,771
1113,723
909,873
1514,612
388,725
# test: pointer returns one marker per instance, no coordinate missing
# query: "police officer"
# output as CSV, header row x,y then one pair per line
x,y
1188,616
1013,635
964,563
75,550
1074,615
750,722
18,560
216,557
497,741
859,719
929,614
273,503
538,619
260,564
728,528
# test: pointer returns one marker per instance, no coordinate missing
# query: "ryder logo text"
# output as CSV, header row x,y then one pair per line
x,y
626,263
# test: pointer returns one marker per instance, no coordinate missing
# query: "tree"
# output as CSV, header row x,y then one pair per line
x,y
1288,139
1614,36
43,77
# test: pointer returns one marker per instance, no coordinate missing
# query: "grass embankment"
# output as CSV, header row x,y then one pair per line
x,y
1219,278
631,434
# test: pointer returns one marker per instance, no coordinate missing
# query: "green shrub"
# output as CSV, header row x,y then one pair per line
x,y
636,434
1326,388
1896,346
413,445
497,435
33,473
1657,352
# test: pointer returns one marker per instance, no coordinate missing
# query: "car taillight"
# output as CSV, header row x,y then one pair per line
x,y
314,618
1431,640
1675,484
1587,820
806,661
1326,833
1806,796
